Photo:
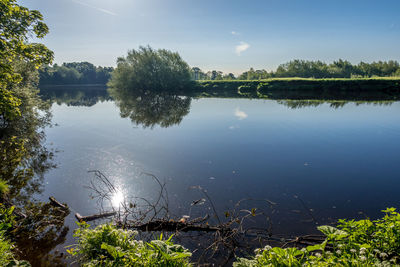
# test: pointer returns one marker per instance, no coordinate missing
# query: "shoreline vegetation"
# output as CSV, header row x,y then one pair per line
x,y
353,89
303,87
350,243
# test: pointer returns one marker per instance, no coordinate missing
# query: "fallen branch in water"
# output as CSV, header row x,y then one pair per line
x,y
172,226
222,237
56,203
94,217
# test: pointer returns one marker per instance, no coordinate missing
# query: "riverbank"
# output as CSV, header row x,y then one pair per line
x,y
350,243
360,89
302,88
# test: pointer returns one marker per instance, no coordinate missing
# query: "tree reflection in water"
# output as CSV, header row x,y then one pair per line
x,y
335,104
75,95
149,109
24,159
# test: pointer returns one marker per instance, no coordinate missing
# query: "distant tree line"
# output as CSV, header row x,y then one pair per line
x,y
198,74
87,73
74,73
309,69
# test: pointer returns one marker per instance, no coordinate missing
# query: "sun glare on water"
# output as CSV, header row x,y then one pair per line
x,y
117,199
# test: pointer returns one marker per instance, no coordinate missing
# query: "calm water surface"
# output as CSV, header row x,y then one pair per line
x,y
316,162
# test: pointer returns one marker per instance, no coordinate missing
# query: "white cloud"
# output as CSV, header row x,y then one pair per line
x,y
95,7
241,115
241,48
234,33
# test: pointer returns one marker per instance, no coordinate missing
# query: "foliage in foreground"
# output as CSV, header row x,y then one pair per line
x,y
106,245
7,223
5,250
7,258
23,114
17,24
352,243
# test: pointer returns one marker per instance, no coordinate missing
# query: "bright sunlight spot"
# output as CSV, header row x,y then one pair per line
x,y
117,199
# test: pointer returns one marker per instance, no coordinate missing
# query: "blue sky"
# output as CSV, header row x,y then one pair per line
x,y
227,35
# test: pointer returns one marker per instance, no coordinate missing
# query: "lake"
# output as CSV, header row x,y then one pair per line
x,y
308,162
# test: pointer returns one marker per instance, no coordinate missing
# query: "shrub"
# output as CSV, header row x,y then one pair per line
x,y
106,245
352,243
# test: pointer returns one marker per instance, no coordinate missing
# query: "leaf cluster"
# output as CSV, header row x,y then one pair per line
x,y
17,24
7,225
106,245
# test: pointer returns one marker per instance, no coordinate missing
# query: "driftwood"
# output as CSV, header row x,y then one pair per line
x,y
56,203
171,226
94,217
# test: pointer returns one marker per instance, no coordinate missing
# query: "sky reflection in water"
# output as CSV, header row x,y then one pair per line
x,y
338,161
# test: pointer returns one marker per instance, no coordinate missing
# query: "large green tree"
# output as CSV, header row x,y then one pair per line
x,y
23,158
147,69
20,119
17,24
